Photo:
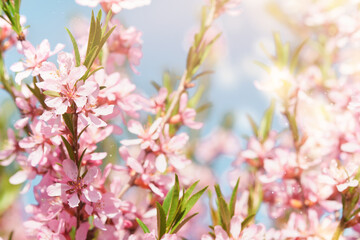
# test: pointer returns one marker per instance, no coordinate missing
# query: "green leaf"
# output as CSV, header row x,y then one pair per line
x,y
202,74
254,126
79,135
174,202
69,148
189,191
108,17
51,93
143,226
156,85
11,235
223,210
161,220
91,34
196,97
265,125
76,48
263,66
68,122
81,157
73,233
295,57
175,230
247,221
193,200
167,200
233,199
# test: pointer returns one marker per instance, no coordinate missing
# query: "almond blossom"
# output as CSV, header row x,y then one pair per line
x,y
146,136
34,59
74,186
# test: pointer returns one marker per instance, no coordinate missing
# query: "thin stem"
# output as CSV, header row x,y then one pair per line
x,y
339,230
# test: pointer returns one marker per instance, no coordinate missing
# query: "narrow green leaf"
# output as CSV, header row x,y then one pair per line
x,y
156,85
174,202
193,200
68,122
95,70
233,199
247,221
76,48
51,93
167,200
203,107
69,148
143,226
11,235
81,157
108,17
99,15
265,125
105,37
179,226
91,34
161,220
73,233
202,74
189,191
196,97
254,126
295,57
83,131
263,66
223,210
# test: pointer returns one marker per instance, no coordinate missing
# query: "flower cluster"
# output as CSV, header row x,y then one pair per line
x,y
78,116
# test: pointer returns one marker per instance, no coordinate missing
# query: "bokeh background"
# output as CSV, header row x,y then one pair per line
x,y
167,26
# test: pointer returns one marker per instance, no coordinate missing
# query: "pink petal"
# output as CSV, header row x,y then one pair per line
x,y
96,121
36,156
91,175
91,194
155,126
81,232
135,165
21,123
19,177
22,75
74,200
87,89
17,67
183,102
80,101
57,49
161,163
129,142
56,189
135,127
235,226
104,110
98,223
76,73
70,169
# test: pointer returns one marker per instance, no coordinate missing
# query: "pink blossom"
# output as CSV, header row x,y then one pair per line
x,y
186,115
34,59
8,154
147,136
65,82
75,186
124,44
40,142
252,232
